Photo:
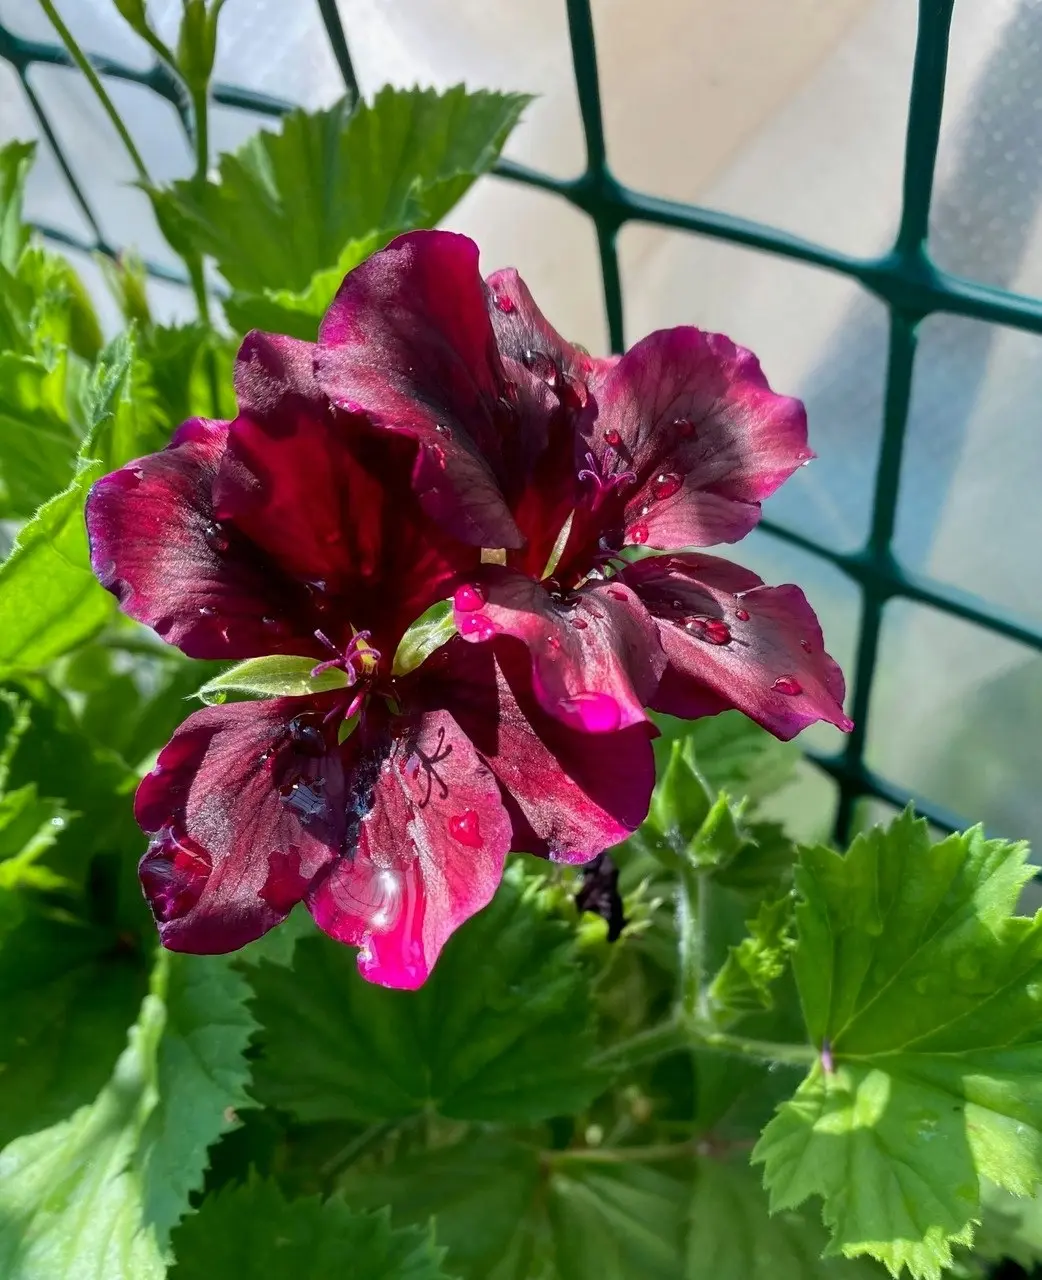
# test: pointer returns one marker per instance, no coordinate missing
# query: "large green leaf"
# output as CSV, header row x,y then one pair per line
x,y
37,444
287,204
925,994
95,1197
500,1031
253,1233
16,159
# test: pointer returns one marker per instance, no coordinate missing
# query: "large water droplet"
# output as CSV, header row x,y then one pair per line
x,y
788,685
612,437
541,365
466,828
742,615
469,599
173,873
216,538
638,534
580,624
505,304
716,632
306,736
472,624
594,712
665,485
387,893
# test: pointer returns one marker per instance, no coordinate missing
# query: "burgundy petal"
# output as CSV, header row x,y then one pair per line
x,y
157,545
329,499
408,341
596,659
692,416
571,794
430,854
246,803
733,642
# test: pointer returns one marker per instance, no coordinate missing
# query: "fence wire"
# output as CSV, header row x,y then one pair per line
x,y
905,279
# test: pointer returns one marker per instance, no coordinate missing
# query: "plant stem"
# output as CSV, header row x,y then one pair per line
x,y
645,1046
690,1033
691,941
801,1055
81,60
201,114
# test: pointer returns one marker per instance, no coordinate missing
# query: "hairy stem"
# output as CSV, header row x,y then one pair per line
x,y
691,1033
81,60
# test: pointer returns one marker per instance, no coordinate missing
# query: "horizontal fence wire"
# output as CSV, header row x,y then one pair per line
x,y
905,279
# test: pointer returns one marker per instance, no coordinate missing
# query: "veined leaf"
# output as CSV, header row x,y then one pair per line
x,y
276,676
427,634
925,994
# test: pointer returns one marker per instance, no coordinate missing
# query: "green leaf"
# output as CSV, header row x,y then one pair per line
x,y
288,204
732,753
500,1031
254,1233
68,992
37,444
16,159
95,1197
128,283
745,980
276,676
429,632
926,993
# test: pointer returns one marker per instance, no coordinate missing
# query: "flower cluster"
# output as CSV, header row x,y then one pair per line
x,y
441,440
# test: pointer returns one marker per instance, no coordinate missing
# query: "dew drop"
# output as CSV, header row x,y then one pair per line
x,y
472,624
638,534
805,646
787,685
216,539
443,429
351,406
593,712
505,304
552,642
468,599
684,427
577,393
616,594
173,873
1034,991
580,624
306,737
717,632
612,437
665,485
541,365
676,604
697,625
742,615
466,828
207,611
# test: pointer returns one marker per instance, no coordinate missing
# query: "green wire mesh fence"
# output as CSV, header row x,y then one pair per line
x,y
905,279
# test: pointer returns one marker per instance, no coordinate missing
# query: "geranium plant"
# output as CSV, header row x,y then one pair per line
x,y
452,936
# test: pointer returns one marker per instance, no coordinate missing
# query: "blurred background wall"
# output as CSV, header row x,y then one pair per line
x,y
791,113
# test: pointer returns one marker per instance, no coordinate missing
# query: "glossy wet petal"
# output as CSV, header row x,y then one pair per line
x,y
243,809
570,794
595,655
733,642
429,854
408,342
157,545
693,417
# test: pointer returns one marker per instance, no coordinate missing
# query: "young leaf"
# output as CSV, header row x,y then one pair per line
x,y
276,676
428,633
16,159
744,981
500,1031
287,204
37,443
254,1233
924,993
97,1195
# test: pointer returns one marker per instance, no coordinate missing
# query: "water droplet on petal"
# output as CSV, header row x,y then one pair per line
x,y
665,485
443,429
466,828
638,534
505,304
805,646
215,536
173,873
697,625
351,406
438,454
468,599
788,685
577,393
612,437
207,611
594,712
387,892
306,736
552,642
717,632
742,615
580,624
684,426
616,594
541,365
472,624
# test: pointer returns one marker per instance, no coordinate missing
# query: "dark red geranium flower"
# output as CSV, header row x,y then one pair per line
x,y
525,443
294,530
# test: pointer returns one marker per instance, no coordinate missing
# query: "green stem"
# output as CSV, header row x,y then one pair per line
x,y
80,59
645,1046
797,1055
622,1155
691,941
689,1033
201,114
